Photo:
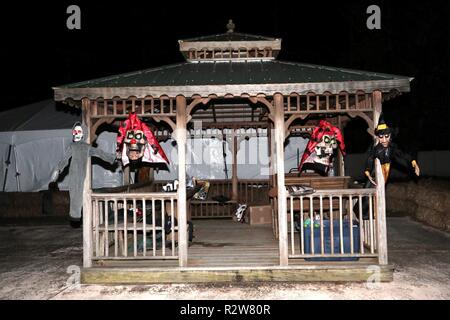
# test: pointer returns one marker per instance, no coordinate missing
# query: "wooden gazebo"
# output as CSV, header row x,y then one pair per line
x,y
230,82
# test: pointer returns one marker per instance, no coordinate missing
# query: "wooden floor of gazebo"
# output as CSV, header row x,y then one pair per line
x,y
225,250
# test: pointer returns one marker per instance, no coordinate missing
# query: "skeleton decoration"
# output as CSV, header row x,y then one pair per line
x,y
171,186
320,149
79,151
77,133
240,212
136,142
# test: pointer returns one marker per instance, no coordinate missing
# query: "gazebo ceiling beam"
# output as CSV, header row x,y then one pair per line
x,y
246,124
166,120
214,113
223,116
198,100
211,112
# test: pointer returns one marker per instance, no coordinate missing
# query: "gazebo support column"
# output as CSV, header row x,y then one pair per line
x,y
87,204
182,207
234,178
282,205
272,182
341,165
381,202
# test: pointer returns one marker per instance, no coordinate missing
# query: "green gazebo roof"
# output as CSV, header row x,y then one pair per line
x,y
253,77
233,75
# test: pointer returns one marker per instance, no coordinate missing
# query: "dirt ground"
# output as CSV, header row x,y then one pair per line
x,y
34,261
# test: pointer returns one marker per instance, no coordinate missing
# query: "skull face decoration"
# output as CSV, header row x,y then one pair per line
x,y
77,132
325,148
136,142
320,149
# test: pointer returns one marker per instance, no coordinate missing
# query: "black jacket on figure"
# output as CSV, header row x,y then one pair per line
x,y
387,155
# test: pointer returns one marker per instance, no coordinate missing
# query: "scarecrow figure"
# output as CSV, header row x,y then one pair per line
x,y
320,149
386,151
136,141
79,151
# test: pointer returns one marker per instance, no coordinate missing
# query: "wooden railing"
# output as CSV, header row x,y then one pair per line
x,y
134,226
212,209
253,192
250,192
314,103
144,107
333,224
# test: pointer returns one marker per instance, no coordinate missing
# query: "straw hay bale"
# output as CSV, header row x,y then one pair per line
x,y
20,204
428,201
431,217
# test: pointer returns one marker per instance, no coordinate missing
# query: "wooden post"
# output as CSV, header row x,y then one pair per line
x,y
380,193
272,158
271,180
151,175
126,175
341,164
143,174
377,107
87,203
234,178
381,216
180,137
282,201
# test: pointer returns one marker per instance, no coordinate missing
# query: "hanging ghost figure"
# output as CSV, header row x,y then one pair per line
x,y
320,148
79,151
136,141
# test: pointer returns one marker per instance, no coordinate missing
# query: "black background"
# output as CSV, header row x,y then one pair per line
x,y
38,51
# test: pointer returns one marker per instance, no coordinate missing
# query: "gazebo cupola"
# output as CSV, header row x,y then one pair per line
x,y
230,46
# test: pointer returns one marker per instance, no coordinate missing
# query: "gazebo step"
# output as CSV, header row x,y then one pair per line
x,y
322,273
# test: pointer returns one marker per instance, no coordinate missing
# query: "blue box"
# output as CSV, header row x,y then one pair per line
x,y
327,240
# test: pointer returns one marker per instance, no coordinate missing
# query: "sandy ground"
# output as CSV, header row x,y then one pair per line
x,y
34,261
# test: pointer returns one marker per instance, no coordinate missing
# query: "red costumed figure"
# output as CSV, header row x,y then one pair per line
x,y
319,151
136,141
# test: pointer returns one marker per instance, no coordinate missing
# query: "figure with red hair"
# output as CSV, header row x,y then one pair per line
x,y
136,141
319,151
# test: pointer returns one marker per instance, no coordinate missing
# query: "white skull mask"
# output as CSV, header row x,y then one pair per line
x,y
325,147
135,139
77,133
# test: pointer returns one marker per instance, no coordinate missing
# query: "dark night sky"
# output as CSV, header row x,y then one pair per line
x,y
39,52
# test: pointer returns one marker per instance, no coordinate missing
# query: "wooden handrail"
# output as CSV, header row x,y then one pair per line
x,y
139,196
337,192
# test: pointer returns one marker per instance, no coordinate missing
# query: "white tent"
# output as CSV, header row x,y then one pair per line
x,y
35,136
32,141
205,158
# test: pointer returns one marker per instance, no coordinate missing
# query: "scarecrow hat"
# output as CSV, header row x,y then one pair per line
x,y
382,127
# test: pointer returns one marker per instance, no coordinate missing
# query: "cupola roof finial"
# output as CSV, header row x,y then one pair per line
x,y
230,26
